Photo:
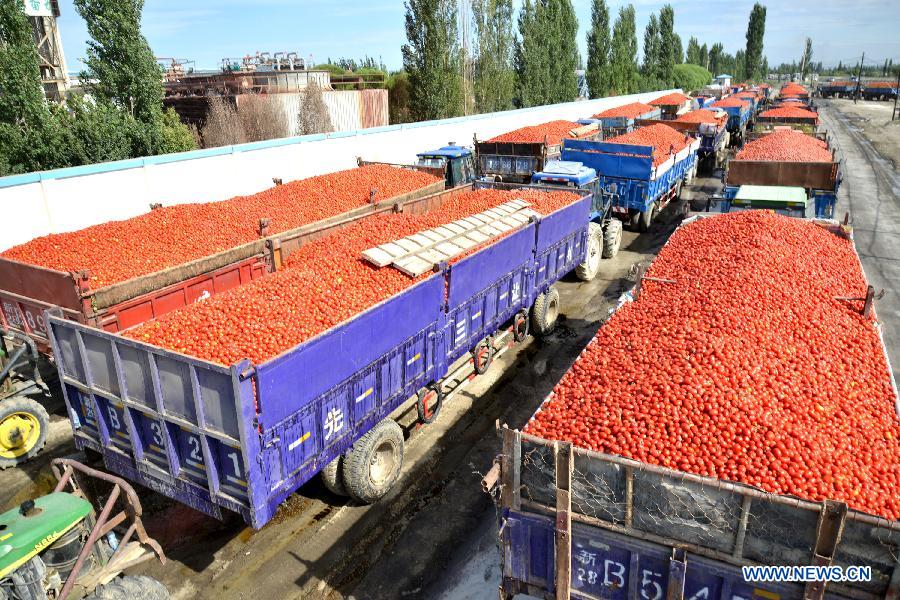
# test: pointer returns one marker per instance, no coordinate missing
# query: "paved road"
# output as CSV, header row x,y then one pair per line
x,y
871,194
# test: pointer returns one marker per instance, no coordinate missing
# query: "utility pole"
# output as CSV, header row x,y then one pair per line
x,y
894,114
859,79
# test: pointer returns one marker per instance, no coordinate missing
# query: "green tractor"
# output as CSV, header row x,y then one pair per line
x,y
58,546
24,422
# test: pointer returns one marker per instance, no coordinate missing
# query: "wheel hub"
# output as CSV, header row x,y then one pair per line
x,y
18,433
383,462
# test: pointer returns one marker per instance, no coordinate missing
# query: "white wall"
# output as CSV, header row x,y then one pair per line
x,y
68,199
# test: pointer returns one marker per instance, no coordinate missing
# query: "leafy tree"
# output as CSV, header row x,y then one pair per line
x,y
495,79
398,98
623,56
756,29
704,57
531,61
599,48
691,77
806,58
740,64
431,59
715,59
669,46
561,20
693,52
679,49
651,68
547,52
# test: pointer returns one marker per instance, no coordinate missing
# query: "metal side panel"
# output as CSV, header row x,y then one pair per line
x,y
613,566
555,262
297,448
176,424
560,224
477,272
292,380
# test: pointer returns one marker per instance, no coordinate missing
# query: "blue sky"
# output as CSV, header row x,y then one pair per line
x,y
208,30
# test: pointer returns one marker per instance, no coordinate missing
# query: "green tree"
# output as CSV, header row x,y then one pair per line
x,y
690,77
398,98
669,46
547,52
599,48
562,52
495,79
715,59
693,52
740,64
806,58
531,62
756,29
704,57
431,58
650,68
623,56
679,49
121,70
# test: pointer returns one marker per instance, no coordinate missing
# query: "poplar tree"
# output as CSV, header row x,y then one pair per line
x,y
693,52
669,47
495,78
547,52
623,55
599,49
531,61
756,29
650,66
432,60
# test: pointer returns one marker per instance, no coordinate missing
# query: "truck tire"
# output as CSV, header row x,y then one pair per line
x,y
373,464
333,477
612,238
646,218
587,270
130,587
483,356
429,401
544,312
23,430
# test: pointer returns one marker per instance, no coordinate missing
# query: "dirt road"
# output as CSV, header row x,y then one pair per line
x,y
871,194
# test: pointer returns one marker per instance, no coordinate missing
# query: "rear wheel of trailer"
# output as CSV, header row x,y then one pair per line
x,y
373,463
544,312
587,270
612,238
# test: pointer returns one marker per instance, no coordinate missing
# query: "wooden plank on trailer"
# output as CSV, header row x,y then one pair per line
x,y
564,467
378,257
413,266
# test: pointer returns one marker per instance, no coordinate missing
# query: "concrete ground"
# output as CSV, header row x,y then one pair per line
x,y
874,119
434,535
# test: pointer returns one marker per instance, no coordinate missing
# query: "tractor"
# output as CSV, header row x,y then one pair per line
x,y
57,546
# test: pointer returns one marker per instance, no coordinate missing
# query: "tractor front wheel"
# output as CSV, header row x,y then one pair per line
x,y
23,430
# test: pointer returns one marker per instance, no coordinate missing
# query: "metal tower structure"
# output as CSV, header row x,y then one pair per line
x,y
51,59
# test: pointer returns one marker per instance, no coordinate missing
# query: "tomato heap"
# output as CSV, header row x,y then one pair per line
x,y
672,99
553,131
629,111
793,112
703,116
731,101
662,138
793,89
173,235
322,284
786,145
746,368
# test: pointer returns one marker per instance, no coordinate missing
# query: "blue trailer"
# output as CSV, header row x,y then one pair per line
x,y
244,437
613,126
786,200
837,89
626,172
580,524
738,118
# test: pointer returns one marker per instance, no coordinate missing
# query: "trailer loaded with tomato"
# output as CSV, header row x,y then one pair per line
x,y
643,170
737,409
120,274
232,404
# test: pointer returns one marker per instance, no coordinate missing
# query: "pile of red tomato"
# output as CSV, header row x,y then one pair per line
x,y
703,116
786,145
322,284
629,111
662,138
746,368
731,101
553,132
794,112
173,235
672,99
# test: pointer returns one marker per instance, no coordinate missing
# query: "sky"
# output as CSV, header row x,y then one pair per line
x,y
206,31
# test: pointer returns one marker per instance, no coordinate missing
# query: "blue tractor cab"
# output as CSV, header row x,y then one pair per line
x,y
458,163
575,175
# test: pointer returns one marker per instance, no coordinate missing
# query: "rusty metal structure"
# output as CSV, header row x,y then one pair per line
x,y
51,60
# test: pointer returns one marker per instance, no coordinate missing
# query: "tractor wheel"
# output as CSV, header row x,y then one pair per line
x,y
333,477
646,218
23,430
373,464
612,238
587,270
130,587
544,312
